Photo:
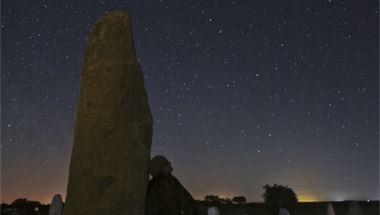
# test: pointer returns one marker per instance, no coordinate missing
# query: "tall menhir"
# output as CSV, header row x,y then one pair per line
x,y
113,131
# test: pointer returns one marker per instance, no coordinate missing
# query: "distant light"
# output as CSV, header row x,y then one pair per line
x,y
339,198
307,198
368,200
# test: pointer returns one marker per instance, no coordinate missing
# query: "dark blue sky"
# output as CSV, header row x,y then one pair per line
x,y
243,93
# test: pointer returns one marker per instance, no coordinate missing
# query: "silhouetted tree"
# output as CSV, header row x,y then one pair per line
x,y
26,207
239,200
278,196
226,201
212,198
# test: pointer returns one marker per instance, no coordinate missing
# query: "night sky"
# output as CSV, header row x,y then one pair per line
x,y
243,93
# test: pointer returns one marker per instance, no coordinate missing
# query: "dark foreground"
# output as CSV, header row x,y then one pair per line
x,y
313,208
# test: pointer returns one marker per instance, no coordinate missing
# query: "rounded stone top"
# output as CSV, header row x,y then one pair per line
x,y
157,163
112,35
115,16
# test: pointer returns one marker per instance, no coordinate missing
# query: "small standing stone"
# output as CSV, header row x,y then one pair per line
x,y
330,209
354,208
56,205
283,211
213,211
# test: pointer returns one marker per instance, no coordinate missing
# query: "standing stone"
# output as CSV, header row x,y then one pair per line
x,y
354,208
113,132
213,211
56,205
330,209
283,211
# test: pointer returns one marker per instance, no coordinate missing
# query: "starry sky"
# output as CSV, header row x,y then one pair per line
x,y
243,93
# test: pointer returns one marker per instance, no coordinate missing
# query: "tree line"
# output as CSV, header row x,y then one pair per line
x,y
275,197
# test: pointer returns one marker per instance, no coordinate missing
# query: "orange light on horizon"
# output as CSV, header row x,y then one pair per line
x,y
307,198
